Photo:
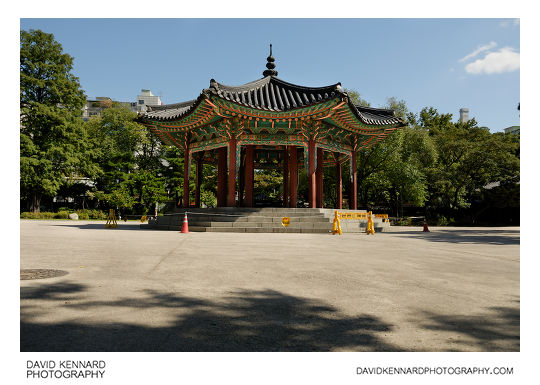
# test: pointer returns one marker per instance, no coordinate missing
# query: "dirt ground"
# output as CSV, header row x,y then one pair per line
x,y
126,289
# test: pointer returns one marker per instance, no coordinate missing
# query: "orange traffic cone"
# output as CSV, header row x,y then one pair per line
x,y
426,230
185,228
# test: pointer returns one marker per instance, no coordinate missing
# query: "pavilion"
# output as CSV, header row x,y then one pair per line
x,y
270,123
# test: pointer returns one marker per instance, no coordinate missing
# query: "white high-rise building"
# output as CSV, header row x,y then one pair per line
x,y
147,98
463,115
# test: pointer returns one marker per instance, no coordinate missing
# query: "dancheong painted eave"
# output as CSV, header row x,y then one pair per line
x,y
273,97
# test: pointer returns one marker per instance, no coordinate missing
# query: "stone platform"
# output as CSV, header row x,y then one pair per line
x,y
260,220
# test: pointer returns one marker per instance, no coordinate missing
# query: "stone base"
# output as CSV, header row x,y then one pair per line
x,y
261,220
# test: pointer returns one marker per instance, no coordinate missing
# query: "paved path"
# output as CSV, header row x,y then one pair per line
x,y
454,289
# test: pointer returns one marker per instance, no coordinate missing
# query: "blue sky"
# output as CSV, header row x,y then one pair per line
x,y
444,63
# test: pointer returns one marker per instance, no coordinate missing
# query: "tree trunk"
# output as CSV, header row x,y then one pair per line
x,y
35,202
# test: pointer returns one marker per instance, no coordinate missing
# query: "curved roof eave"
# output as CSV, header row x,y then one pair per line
x,y
375,116
174,111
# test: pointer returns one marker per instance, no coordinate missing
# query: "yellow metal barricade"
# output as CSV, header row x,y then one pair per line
x,y
370,229
111,220
336,227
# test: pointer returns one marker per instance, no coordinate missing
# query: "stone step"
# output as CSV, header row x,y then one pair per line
x,y
269,214
178,220
306,225
265,230
266,220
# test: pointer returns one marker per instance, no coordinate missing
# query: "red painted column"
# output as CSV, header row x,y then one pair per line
x,y
198,179
354,188
293,174
319,177
249,175
231,196
222,177
312,184
339,184
285,176
241,181
185,199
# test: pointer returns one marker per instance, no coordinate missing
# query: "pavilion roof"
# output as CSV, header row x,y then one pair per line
x,y
270,94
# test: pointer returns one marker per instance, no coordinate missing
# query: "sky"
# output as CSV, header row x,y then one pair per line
x,y
443,63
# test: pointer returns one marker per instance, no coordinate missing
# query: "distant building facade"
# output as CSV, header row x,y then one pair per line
x,y
146,98
512,130
463,115
93,107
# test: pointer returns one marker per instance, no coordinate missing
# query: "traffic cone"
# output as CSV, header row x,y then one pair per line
x,y
185,228
426,230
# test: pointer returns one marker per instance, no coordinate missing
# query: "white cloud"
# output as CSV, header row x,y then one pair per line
x,y
503,60
478,51
506,23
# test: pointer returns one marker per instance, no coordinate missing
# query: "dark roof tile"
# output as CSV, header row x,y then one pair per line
x,y
273,94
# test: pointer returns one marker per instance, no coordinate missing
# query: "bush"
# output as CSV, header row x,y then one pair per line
x,y
28,215
62,215
442,221
91,214
82,215
208,198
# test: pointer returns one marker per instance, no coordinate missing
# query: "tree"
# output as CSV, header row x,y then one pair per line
x,y
130,158
355,98
469,157
52,139
395,170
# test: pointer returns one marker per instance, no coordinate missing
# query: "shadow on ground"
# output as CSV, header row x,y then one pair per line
x,y
483,236
265,320
101,226
497,330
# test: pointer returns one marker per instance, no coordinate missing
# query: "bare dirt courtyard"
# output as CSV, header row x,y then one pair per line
x,y
126,289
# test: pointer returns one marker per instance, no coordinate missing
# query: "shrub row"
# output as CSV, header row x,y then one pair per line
x,y
64,214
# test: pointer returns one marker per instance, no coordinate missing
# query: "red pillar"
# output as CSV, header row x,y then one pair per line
x,y
285,176
293,174
241,181
222,177
249,175
231,196
198,179
185,200
319,177
312,184
354,188
339,184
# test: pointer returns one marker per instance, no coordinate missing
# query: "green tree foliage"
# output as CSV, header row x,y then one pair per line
x,y
52,139
439,164
395,170
268,184
356,99
469,157
130,159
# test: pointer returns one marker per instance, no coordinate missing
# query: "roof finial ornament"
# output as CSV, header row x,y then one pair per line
x,y
270,65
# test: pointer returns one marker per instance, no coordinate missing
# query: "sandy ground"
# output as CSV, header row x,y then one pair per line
x,y
126,289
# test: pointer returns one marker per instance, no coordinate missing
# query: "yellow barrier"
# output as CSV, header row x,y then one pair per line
x,y
370,229
383,216
111,220
336,226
